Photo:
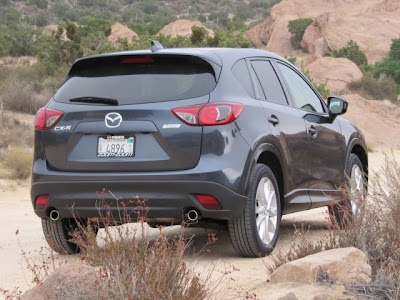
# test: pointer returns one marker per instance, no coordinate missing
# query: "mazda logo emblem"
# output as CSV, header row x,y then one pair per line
x,y
113,120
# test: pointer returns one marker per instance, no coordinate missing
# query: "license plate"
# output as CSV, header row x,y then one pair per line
x,y
115,146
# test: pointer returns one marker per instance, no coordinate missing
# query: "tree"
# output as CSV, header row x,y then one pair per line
x,y
297,28
199,36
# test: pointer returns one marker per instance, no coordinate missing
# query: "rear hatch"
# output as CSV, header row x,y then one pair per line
x,y
117,113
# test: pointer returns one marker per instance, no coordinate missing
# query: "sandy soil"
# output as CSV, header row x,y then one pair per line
x,y
243,274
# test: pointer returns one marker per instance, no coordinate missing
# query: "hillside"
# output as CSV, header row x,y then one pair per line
x,y
229,14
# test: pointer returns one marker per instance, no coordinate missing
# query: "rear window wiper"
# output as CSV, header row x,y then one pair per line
x,y
98,100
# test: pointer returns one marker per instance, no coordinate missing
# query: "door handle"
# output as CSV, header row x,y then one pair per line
x,y
312,130
273,120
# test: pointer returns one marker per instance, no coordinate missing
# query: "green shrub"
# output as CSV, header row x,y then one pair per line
x,y
19,162
375,88
391,64
352,52
199,36
297,28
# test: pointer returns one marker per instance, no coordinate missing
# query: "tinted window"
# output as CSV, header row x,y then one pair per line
x,y
241,73
139,79
269,81
303,95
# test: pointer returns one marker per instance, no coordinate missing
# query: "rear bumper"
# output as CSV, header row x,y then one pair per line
x,y
163,199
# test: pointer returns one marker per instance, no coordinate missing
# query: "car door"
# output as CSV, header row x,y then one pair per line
x,y
289,131
325,141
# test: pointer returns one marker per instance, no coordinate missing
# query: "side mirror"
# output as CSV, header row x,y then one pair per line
x,y
337,106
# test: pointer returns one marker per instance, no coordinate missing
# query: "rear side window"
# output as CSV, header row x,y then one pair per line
x,y
269,81
138,79
242,75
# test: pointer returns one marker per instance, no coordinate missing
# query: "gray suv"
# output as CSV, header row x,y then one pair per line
x,y
218,138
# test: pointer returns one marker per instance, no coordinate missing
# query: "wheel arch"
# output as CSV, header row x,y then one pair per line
x,y
362,154
270,156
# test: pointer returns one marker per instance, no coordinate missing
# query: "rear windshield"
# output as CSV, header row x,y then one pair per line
x,y
138,79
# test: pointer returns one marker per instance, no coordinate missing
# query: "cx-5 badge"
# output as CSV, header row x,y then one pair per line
x,y
113,120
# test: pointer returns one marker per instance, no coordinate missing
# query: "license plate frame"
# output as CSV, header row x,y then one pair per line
x,y
105,148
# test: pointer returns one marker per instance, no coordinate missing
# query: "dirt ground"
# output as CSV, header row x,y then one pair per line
x,y
243,274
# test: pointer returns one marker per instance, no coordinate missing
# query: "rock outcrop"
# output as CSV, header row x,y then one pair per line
x,y
346,265
371,23
120,31
336,72
183,28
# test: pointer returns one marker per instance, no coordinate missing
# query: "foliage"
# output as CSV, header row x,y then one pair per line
x,y
390,65
375,88
40,3
19,162
20,94
94,25
199,36
297,28
147,15
139,268
352,52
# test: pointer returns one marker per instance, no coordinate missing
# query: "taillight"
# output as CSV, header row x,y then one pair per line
x,y
208,202
209,114
41,202
46,118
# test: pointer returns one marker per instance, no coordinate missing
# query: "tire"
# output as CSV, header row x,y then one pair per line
x,y
247,238
341,214
57,234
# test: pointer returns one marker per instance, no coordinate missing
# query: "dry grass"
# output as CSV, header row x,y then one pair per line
x,y
133,266
20,96
19,163
129,264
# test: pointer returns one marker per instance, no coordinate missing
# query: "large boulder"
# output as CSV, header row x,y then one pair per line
x,y
73,280
336,72
119,31
373,31
183,28
346,265
371,23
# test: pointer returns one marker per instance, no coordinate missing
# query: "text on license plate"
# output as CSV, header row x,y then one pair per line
x,y
115,146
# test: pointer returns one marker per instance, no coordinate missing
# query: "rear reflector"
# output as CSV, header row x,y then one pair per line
x,y
137,60
47,118
41,202
208,202
209,114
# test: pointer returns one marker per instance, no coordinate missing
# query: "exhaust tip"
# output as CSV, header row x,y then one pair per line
x,y
192,215
54,215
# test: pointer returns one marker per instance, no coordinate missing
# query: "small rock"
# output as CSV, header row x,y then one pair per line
x,y
73,278
346,265
290,296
